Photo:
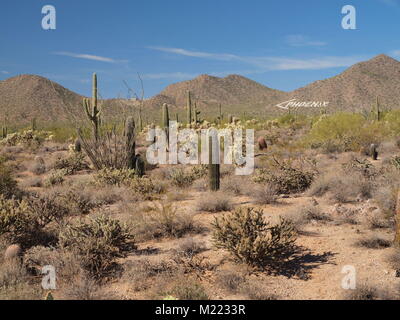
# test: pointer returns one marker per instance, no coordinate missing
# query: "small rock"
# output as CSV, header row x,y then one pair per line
x,y
12,252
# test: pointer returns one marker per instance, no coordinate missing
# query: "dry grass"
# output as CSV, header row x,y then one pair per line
x,y
214,202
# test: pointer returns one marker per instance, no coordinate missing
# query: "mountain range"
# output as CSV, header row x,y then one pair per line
x,y
27,96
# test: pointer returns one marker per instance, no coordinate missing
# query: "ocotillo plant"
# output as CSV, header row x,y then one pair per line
x,y
213,168
130,142
374,152
92,110
140,122
189,107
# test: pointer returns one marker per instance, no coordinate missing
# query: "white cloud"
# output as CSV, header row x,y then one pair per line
x,y
298,40
390,2
264,64
395,53
4,72
87,57
172,75
196,54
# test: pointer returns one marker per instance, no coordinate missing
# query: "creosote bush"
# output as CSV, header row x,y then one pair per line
x,y
8,185
98,242
246,235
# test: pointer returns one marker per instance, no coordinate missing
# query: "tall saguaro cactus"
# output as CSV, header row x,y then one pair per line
x,y
189,107
165,119
213,168
378,111
92,110
130,142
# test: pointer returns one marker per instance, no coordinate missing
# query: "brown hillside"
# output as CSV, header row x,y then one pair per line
x,y
357,87
209,90
27,96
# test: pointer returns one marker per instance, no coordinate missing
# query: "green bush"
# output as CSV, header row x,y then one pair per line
x,y
246,235
344,132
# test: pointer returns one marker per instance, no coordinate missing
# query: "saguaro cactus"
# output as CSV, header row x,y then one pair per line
x,y
78,145
230,118
92,110
34,124
165,119
378,111
189,107
374,152
221,116
130,142
213,169
140,121
4,132
139,166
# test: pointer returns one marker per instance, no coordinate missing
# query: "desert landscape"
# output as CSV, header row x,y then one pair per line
x,y
78,194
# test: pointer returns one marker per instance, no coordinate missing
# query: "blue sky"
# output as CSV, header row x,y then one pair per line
x,y
282,44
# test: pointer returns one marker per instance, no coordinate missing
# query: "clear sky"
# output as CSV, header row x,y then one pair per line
x,y
282,44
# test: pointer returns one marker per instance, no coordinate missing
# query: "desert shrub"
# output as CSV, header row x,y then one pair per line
x,y
300,217
246,235
236,185
80,201
394,260
199,171
20,224
146,187
285,177
186,289
343,187
257,291
266,194
374,242
377,220
214,202
361,166
66,263
39,166
229,280
46,208
366,292
33,182
8,186
117,177
141,273
27,138
162,220
180,178
55,177
98,242
84,288
386,190
190,247
395,161
72,164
